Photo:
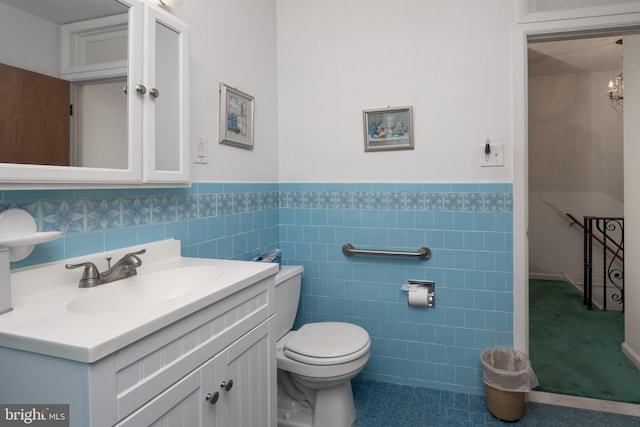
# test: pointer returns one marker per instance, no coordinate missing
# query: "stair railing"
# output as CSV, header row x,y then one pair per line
x,y
614,251
613,273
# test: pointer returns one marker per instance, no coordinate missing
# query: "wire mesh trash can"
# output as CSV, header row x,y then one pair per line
x,y
507,376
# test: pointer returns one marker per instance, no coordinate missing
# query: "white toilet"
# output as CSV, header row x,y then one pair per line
x,y
315,363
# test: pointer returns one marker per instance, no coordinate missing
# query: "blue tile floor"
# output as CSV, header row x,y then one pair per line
x,y
391,405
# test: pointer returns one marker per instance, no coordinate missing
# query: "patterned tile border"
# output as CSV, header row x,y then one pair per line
x,y
86,212
400,200
83,215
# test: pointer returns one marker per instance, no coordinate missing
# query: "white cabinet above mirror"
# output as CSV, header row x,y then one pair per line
x,y
118,115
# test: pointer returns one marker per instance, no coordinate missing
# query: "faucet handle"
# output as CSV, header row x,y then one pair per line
x,y
133,255
90,275
140,252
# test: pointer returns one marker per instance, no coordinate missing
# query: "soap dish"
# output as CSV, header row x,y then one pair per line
x,y
19,233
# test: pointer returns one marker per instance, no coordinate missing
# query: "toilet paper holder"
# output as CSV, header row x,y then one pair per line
x,y
423,287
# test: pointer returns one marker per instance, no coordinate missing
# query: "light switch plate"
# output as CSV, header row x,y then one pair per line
x,y
495,156
200,149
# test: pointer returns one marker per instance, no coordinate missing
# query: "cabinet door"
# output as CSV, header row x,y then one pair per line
x,y
166,73
246,373
34,117
236,388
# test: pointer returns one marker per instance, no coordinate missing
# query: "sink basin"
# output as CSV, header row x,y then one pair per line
x,y
145,290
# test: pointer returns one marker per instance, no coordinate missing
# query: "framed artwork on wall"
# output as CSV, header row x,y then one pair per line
x,y
388,128
236,117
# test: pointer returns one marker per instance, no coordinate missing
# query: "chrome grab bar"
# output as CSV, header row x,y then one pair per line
x,y
423,252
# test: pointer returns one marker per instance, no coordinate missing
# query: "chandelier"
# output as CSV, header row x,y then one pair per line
x,y
616,87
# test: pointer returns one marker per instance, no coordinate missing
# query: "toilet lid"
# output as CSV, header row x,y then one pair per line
x,y
327,343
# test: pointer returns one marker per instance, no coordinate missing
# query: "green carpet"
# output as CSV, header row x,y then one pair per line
x,y
576,351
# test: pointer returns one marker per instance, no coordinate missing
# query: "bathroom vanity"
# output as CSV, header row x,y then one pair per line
x,y
196,352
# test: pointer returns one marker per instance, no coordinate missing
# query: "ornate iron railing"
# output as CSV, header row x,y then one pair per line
x,y
609,232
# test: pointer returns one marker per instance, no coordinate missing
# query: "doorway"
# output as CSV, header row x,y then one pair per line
x,y
575,149
575,159
568,29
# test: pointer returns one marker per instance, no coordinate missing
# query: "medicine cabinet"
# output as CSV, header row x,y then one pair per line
x,y
125,63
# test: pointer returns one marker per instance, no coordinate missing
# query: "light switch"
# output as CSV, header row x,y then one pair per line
x,y
492,155
200,149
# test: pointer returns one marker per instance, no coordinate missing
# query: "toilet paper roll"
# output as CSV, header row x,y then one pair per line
x,y
418,297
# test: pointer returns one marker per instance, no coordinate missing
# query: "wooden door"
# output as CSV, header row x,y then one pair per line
x,y
34,118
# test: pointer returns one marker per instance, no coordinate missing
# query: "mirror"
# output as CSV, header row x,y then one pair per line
x,y
63,78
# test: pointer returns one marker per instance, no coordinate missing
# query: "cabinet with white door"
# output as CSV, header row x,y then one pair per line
x,y
149,47
165,126
233,388
142,51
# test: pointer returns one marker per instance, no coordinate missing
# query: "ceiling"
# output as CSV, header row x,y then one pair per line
x,y
575,56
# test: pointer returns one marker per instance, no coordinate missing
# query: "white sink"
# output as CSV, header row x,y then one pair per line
x,y
145,289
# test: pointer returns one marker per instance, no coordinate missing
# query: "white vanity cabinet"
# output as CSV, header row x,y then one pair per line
x,y
231,389
169,376
230,351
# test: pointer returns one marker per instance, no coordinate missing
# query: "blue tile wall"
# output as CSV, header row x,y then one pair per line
x,y
236,221
468,228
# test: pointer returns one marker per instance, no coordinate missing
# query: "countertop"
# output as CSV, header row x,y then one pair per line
x,y
40,321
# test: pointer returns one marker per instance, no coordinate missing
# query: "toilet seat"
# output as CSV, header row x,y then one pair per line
x,y
327,343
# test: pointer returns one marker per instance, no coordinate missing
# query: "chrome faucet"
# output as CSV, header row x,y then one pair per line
x,y
123,268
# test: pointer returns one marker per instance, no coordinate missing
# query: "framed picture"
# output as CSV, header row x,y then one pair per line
x,y
388,128
236,118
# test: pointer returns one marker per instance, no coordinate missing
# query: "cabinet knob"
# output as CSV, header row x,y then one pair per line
x,y
141,89
154,92
226,385
212,398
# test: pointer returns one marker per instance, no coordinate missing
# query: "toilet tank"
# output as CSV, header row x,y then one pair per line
x,y
288,281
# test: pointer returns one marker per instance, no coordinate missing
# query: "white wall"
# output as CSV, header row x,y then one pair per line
x,y
39,48
331,60
233,42
575,166
450,60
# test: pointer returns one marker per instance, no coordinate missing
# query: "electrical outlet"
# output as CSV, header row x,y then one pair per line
x,y
200,150
495,156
